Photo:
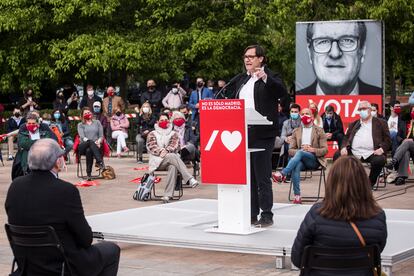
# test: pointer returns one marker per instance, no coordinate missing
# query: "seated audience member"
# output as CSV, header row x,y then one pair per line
x,y
175,97
60,103
315,112
187,139
28,134
189,123
119,126
145,122
368,139
13,124
332,125
90,140
163,146
287,129
55,202
401,158
307,148
59,120
396,126
166,110
375,111
348,198
98,115
28,102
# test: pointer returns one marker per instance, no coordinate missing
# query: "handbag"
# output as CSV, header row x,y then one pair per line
x,y
363,243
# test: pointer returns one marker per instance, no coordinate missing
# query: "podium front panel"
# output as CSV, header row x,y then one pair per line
x,y
223,142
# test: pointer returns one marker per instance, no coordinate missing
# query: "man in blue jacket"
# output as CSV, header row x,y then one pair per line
x,y
200,93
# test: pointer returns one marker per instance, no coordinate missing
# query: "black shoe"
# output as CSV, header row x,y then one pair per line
x,y
11,158
264,222
390,165
140,160
101,166
253,220
399,181
88,177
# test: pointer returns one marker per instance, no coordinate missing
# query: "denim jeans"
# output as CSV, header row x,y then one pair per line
x,y
301,161
394,140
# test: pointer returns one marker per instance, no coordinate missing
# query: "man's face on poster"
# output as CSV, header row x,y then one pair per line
x,y
336,53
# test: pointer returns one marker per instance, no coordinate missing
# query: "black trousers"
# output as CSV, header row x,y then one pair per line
x,y
110,253
338,137
261,193
90,150
377,162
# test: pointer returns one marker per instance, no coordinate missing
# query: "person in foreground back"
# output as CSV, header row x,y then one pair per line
x,y
41,198
348,198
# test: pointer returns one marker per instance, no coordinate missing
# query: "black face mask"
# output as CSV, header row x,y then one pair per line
x,y
17,114
151,88
199,84
186,115
118,113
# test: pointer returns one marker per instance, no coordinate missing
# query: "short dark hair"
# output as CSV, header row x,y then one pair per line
x,y
394,103
260,51
329,108
362,29
163,114
183,106
294,105
376,105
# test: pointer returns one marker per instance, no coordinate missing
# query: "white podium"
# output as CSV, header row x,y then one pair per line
x,y
234,214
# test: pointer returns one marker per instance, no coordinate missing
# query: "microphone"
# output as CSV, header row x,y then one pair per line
x,y
220,92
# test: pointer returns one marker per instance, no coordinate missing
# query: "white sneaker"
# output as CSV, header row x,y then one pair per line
x,y
193,182
165,199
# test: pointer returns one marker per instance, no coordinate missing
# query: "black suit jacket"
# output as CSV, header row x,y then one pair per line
x,y
364,89
39,198
266,97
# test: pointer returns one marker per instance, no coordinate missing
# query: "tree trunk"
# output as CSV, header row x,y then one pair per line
x,y
123,86
393,92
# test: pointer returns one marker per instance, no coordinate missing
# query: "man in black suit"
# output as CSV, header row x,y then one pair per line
x,y
261,89
337,51
41,198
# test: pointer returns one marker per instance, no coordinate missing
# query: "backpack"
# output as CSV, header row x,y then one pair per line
x,y
143,192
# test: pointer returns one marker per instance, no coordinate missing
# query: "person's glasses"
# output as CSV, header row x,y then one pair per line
x,y
249,57
345,44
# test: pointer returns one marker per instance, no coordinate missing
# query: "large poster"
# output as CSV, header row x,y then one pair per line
x,y
339,63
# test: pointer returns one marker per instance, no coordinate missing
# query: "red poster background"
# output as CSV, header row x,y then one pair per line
x,y
219,165
346,106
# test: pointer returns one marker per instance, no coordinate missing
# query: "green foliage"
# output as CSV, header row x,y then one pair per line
x,y
77,40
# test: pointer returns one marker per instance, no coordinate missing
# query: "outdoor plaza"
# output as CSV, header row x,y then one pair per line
x,y
183,222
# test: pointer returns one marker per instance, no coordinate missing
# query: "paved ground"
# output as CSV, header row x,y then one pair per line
x,y
155,260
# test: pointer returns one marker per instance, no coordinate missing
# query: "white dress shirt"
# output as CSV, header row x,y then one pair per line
x,y
247,91
306,135
363,143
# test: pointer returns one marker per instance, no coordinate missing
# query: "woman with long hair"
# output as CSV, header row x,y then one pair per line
x,y
59,120
348,198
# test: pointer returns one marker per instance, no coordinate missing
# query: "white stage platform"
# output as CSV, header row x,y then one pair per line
x,y
183,224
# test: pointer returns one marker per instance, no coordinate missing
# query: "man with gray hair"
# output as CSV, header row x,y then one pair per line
x,y
41,198
367,138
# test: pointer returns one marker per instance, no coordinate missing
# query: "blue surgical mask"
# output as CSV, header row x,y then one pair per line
x,y
96,109
363,114
294,116
56,115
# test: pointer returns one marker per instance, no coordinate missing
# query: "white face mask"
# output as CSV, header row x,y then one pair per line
x,y
145,109
90,92
175,90
373,113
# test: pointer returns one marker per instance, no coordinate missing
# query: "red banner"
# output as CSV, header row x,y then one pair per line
x,y
223,142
